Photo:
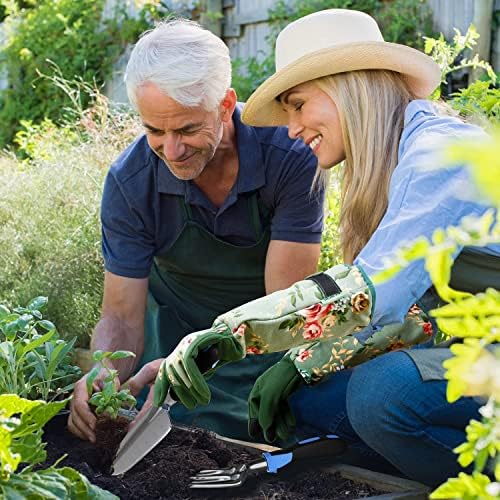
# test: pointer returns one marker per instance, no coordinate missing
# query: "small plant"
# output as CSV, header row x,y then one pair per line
x,y
451,58
21,428
109,400
34,361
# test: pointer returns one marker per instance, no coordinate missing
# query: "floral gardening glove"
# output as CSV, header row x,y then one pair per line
x,y
268,410
317,360
269,414
193,360
331,304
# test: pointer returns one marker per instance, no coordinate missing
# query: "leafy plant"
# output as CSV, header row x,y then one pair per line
x,y
474,368
451,56
21,427
34,361
479,99
76,36
108,400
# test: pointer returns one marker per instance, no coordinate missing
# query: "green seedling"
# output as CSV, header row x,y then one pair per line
x,y
109,400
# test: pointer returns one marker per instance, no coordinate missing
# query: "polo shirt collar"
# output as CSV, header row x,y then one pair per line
x,y
251,173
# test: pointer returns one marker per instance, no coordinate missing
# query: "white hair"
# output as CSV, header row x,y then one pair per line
x,y
185,61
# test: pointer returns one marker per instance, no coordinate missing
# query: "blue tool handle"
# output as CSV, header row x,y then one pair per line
x,y
325,446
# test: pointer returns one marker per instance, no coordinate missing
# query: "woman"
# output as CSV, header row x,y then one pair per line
x,y
362,108
356,99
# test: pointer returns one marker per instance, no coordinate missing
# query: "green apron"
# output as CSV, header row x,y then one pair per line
x,y
199,278
472,272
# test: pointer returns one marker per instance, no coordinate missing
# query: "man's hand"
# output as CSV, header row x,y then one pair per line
x,y
82,420
269,414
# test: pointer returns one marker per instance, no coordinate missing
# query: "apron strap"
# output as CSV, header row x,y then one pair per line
x,y
253,206
186,208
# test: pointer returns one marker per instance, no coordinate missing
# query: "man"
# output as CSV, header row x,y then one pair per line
x,y
200,215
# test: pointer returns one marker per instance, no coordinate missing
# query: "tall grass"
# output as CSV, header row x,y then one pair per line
x,y
49,215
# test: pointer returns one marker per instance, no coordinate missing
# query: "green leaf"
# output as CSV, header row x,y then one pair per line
x,y
91,377
47,325
3,311
37,303
121,355
33,344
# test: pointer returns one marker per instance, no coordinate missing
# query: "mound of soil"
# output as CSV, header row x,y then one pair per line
x,y
165,472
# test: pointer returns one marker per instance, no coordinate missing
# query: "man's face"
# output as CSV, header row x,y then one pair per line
x,y
184,138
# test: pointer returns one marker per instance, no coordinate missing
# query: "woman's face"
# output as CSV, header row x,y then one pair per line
x,y
313,117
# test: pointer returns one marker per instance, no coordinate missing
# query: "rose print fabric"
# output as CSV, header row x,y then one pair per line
x,y
315,361
302,314
287,318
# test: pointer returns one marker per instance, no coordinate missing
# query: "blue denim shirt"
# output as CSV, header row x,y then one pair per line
x,y
422,198
141,215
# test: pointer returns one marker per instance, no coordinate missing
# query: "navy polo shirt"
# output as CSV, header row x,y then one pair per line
x,y
142,217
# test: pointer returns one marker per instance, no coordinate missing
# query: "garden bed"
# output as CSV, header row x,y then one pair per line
x,y
165,472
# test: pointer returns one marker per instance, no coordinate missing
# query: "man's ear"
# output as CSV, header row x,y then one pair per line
x,y
228,104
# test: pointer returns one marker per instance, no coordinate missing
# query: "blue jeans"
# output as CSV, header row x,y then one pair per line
x,y
394,422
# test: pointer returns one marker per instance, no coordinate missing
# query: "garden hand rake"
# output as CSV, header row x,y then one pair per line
x,y
231,477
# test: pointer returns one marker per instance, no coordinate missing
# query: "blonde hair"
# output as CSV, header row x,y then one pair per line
x,y
371,106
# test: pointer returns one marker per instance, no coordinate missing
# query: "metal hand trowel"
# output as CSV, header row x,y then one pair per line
x,y
154,425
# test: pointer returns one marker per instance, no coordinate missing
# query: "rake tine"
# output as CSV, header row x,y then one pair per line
x,y
225,484
218,472
218,479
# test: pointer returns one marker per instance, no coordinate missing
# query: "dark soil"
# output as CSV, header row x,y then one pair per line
x,y
109,434
164,473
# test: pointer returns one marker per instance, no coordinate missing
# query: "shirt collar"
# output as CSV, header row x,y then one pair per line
x,y
251,173
418,106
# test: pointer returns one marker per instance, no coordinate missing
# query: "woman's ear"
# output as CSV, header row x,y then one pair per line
x,y
228,104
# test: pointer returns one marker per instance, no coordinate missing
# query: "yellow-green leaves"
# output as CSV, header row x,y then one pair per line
x,y
21,423
483,158
466,487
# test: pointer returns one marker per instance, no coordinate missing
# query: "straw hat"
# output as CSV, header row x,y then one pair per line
x,y
329,42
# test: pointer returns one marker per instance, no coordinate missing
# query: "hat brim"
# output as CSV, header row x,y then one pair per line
x,y
420,71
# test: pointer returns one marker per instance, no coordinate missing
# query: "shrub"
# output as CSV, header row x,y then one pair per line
x,y
75,36
49,215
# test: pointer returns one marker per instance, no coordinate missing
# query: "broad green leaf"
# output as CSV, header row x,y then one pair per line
x,y
90,379
3,311
37,303
57,355
47,325
33,344
121,355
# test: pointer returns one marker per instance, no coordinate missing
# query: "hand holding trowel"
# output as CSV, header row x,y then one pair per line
x,y
154,425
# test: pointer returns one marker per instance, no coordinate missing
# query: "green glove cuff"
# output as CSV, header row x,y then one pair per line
x,y
303,313
317,360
